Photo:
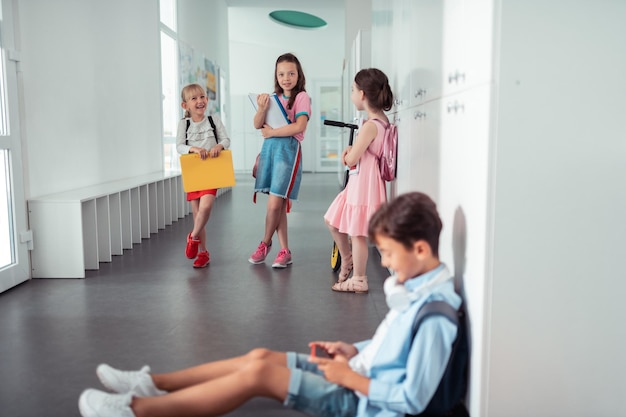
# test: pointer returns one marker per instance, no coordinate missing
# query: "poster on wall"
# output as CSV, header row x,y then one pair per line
x,y
195,68
186,64
211,86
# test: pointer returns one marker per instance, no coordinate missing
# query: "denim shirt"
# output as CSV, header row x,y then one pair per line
x,y
405,373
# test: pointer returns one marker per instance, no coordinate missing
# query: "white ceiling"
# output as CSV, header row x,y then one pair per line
x,y
288,5
253,25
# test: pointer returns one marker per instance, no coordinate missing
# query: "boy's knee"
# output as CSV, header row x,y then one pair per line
x,y
255,372
259,353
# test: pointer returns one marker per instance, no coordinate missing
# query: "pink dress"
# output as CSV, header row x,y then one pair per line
x,y
365,192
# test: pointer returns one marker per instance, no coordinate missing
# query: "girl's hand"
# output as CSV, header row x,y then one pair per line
x,y
266,131
215,151
263,101
343,155
204,154
367,134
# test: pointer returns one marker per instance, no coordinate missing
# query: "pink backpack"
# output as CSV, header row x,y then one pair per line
x,y
387,160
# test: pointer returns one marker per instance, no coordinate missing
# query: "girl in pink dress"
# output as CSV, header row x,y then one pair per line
x,y
348,215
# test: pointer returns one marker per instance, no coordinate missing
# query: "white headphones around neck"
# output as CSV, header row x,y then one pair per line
x,y
399,298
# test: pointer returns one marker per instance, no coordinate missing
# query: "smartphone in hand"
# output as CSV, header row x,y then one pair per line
x,y
318,352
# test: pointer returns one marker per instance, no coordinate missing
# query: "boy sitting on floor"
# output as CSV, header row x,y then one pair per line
x,y
392,374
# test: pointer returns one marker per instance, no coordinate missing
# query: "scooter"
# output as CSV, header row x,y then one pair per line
x,y
335,256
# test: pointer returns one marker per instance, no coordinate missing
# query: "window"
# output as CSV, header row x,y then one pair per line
x,y
7,254
169,82
170,105
168,14
7,250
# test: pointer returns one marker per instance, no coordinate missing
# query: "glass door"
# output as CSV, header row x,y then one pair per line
x,y
14,236
328,107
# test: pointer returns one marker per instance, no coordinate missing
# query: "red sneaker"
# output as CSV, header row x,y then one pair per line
x,y
202,260
192,247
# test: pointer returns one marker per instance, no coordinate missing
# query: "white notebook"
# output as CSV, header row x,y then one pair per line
x,y
276,115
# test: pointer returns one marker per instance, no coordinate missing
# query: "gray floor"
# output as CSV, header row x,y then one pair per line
x,y
150,306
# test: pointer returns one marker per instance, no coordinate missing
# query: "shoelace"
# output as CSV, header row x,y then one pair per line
x,y
262,249
117,401
133,378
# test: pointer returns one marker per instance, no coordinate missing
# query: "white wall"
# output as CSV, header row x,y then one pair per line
x,y
358,17
252,69
90,74
203,24
558,337
529,183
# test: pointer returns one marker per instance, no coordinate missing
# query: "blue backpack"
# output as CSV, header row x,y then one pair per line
x,y
448,399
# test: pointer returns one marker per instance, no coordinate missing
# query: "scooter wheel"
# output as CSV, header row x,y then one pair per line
x,y
335,258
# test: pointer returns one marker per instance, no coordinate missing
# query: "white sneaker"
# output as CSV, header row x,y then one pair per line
x,y
94,403
139,383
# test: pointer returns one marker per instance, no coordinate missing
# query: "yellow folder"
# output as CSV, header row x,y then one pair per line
x,y
207,174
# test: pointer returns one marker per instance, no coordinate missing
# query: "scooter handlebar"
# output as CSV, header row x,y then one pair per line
x,y
340,124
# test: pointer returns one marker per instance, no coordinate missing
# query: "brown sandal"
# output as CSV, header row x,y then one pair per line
x,y
346,270
355,284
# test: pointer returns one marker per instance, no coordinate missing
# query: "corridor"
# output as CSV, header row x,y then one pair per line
x,y
151,307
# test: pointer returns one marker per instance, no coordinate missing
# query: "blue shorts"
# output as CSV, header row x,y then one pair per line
x,y
280,168
311,393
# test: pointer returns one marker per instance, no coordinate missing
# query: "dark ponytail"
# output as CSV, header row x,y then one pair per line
x,y
375,85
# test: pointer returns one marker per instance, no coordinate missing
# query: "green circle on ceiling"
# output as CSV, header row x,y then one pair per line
x,y
297,19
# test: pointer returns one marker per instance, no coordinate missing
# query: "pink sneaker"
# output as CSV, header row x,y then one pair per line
x,y
282,259
258,257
